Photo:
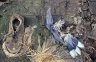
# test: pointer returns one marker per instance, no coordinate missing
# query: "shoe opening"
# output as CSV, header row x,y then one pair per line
x,y
3,0
15,23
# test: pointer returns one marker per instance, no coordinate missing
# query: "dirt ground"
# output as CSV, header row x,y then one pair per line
x,y
34,12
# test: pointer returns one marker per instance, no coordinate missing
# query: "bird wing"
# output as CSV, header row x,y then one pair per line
x,y
49,19
56,36
50,26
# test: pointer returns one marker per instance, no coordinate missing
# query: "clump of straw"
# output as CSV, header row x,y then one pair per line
x,y
45,53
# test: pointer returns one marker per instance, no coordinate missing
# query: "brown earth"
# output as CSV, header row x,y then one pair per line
x,y
34,12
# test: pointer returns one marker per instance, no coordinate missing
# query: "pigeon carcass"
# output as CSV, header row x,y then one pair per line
x,y
58,30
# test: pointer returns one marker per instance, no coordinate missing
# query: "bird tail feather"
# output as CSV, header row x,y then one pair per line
x,y
78,50
80,45
49,19
73,53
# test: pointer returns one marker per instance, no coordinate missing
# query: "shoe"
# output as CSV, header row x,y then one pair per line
x,y
14,39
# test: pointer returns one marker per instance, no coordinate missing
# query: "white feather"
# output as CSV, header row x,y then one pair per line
x,y
73,53
80,45
78,50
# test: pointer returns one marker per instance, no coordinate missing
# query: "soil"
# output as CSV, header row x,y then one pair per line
x,y
34,12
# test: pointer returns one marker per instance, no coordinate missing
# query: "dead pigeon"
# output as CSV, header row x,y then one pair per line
x,y
72,42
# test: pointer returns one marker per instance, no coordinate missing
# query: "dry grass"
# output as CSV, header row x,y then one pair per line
x,y
44,53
